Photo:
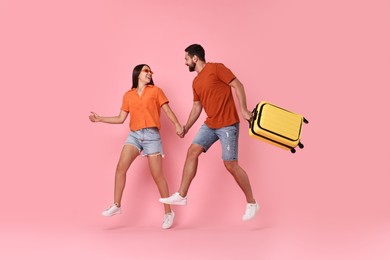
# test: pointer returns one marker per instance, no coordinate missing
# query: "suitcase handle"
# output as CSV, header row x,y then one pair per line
x,y
254,115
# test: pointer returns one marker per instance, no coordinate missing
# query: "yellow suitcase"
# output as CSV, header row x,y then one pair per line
x,y
277,126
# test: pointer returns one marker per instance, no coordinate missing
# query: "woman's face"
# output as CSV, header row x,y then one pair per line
x,y
145,75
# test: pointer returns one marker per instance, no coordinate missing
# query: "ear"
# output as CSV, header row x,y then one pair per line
x,y
195,58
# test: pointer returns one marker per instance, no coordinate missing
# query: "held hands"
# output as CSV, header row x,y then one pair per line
x,y
181,131
94,117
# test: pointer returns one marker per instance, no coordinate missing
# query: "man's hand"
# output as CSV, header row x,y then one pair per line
x,y
247,115
183,133
179,130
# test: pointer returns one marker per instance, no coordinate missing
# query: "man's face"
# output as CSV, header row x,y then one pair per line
x,y
189,62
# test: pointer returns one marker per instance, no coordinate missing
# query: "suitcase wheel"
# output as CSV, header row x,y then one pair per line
x,y
305,121
301,145
293,150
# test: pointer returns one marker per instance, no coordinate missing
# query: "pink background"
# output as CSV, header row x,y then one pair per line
x,y
328,60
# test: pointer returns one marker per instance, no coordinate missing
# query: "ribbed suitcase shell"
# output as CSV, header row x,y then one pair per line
x,y
277,126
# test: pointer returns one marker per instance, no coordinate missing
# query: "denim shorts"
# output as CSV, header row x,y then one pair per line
x,y
147,140
228,136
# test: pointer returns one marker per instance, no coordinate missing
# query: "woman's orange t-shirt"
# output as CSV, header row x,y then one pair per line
x,y
144,110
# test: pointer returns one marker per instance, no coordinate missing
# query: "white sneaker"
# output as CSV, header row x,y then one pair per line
x,y
175,199
168,220
111,211
250,211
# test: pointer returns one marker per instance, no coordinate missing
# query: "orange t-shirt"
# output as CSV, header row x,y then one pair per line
x,y
145,109
211,88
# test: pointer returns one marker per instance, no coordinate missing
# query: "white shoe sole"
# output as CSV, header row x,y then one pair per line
x,y
116,213
166,201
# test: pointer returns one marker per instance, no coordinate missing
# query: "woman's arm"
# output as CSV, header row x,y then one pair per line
x,y
173,118
119,119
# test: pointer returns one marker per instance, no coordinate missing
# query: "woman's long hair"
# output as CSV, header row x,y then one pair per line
x,y
136,71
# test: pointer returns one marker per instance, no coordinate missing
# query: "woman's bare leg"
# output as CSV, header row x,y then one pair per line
x,y
128,155
156,169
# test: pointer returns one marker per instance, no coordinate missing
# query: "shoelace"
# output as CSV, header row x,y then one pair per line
x,y
111,206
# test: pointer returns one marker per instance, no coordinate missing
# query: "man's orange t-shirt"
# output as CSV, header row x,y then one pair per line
x,y
211,87
145,109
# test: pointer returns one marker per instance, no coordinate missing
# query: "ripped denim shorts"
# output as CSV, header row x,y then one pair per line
x,y
228,136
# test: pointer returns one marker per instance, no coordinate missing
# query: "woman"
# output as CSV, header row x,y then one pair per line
x,y
143,102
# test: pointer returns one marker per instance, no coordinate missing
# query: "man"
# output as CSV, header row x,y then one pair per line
x,y
212,92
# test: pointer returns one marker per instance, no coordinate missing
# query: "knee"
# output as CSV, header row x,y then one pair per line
x,y
231,166
121,169
194,151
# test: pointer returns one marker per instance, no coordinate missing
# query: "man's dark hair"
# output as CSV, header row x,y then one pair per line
x,y
196,49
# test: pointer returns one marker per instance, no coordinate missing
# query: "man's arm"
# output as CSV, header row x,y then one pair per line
x,y
194,115
240,93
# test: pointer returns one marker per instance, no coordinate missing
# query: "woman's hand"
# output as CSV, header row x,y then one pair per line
x,y
179,129
94,117
183,133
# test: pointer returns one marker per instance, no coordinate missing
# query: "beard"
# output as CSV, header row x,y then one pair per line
x,y
191,67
